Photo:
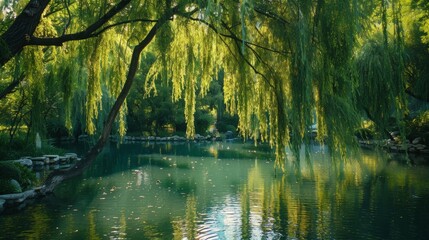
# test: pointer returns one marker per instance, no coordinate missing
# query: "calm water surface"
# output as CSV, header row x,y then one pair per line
x,y
230,191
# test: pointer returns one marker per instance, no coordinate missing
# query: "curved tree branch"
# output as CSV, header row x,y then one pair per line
x,y
20,33
85,34
122,23
238,40
13,40
35,41
235,37
272,15
58,176
10,88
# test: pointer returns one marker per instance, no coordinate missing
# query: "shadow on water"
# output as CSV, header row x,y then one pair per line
x,y
229,191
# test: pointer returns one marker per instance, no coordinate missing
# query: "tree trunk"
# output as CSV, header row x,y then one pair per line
x,y
19,33
57,177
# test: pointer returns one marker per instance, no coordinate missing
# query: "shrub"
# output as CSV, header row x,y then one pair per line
x,y
9,170
28,177
25,177
419,127
6,187
365,134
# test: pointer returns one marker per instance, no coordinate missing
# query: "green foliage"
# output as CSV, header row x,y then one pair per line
x,y
9,170
11,150
203,120
28,177
56,128
421,8
419,127
365,133
6,187
277,66
153,114
22,174
417,72
4,49
227,123
21,146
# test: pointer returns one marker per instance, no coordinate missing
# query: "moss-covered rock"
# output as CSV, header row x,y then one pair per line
x,y
15,178
8,186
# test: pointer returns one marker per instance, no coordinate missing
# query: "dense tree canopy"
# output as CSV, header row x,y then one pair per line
x,y
287,64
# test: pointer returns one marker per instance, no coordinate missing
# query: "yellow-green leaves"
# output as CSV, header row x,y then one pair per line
x,y
94,93
189,58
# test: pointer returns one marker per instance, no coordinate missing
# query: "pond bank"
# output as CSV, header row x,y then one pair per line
x,y
415,147
42,166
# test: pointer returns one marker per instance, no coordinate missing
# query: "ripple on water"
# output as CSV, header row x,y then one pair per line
x,y
224,221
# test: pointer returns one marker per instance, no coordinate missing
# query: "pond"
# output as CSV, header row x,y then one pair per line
x,y
230,191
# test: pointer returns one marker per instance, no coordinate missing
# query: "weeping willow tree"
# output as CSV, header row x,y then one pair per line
x,y
380,65
287,64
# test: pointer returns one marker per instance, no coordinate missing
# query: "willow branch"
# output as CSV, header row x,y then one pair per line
x,y
235,37
259,57
59,9
256,71
69,17
237,40
58,176
85,34
10,88
271,15
122,23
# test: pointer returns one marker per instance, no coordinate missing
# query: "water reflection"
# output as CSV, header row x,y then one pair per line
x,y
229,191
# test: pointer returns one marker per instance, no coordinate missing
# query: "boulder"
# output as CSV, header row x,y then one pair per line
x,y
15,184
51,159
176,138
71,156
38,164
38,161
64,159
25,162
229,135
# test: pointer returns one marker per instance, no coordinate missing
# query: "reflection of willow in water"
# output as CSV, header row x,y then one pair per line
x,y
92,232
252,202
186,227
311,204
154,196
39,224
325,200
302,205
315,195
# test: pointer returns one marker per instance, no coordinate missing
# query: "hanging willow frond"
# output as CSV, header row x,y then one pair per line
x,y
94,93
